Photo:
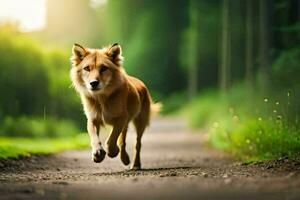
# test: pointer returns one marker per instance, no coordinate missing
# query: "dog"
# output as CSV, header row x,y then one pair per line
x,y
110,96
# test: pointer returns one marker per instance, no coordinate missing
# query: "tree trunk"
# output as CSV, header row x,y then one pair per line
x,y
193,42
298,9
224,72
192,81
264,46
249,45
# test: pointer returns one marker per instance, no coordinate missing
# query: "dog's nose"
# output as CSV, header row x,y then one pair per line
x,y
94,84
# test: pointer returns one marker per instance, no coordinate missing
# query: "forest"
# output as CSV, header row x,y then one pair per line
x,y
230,67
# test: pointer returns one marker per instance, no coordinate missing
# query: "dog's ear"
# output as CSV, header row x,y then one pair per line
x,y
114,53
78,52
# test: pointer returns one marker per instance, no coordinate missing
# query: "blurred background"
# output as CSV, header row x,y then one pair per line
x,y
231,67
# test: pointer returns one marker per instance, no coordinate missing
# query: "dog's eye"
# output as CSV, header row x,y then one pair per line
x,y
103,69
87,68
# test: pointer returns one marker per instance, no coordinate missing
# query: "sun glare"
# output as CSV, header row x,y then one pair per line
x,y
29,14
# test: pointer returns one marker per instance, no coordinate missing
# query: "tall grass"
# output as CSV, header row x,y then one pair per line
x,y
37,127
20,147
249,126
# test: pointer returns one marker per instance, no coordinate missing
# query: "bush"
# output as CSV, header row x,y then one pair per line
x,y
257,138
286,68
17,147
174,102
34,81
37,127
250,127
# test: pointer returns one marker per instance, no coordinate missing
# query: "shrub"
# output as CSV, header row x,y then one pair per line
x,y
37,127
251,127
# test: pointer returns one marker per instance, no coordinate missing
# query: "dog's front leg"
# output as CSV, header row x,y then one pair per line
x,y
98,153
118,126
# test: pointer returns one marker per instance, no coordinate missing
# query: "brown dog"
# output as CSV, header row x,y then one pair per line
x,y
110,96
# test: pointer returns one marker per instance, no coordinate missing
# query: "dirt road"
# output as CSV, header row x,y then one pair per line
x,y
176,165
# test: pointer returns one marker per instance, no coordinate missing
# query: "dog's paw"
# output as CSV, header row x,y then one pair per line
x,y
125,158
98,155
113,151
135,167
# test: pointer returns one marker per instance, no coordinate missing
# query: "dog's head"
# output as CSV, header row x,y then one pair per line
x,y
96,70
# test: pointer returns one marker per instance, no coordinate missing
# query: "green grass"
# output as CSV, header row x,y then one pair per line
x,y
256,139
37,127
19,147
249,127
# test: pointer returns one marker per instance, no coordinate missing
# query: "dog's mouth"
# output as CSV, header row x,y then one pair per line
x,y
98,88
94,89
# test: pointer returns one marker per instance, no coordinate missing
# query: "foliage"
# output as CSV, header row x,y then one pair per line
x,y
33,84
257,138
162,41
37,127
286,68
150,32
23,81
251,127
172,103
17,147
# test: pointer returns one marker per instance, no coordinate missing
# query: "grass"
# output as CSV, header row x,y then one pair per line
x,y
37,127
250,128
256,139
19,147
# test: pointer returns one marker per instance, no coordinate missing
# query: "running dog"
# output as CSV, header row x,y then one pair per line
x,y
110,96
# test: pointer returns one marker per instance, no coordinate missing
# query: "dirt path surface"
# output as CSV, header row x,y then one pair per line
x,y
176,165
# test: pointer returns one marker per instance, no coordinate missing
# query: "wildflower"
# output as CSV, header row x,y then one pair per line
x,y
274,111
216,125
277,103
235,119
231,110
288,94
266,100
279,117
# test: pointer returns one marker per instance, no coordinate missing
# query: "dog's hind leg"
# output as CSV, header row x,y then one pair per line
x,y
141,122
140,126
122,146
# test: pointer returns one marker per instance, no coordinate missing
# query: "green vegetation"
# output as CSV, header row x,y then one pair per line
x,y
32,85
228,65
17,147
250,127
37,127
39,113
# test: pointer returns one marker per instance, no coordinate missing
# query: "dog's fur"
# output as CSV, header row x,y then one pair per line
x,y
117,100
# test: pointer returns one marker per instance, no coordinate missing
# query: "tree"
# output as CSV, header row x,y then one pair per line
x,y
151,44
193,50
71,21
224,72
249,44
264,38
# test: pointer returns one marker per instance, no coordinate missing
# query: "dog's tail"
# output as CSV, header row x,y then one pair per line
x,y
155,108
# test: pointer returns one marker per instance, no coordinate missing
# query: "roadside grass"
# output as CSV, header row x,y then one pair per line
x,y
15,147
250,127
37,127
256,139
